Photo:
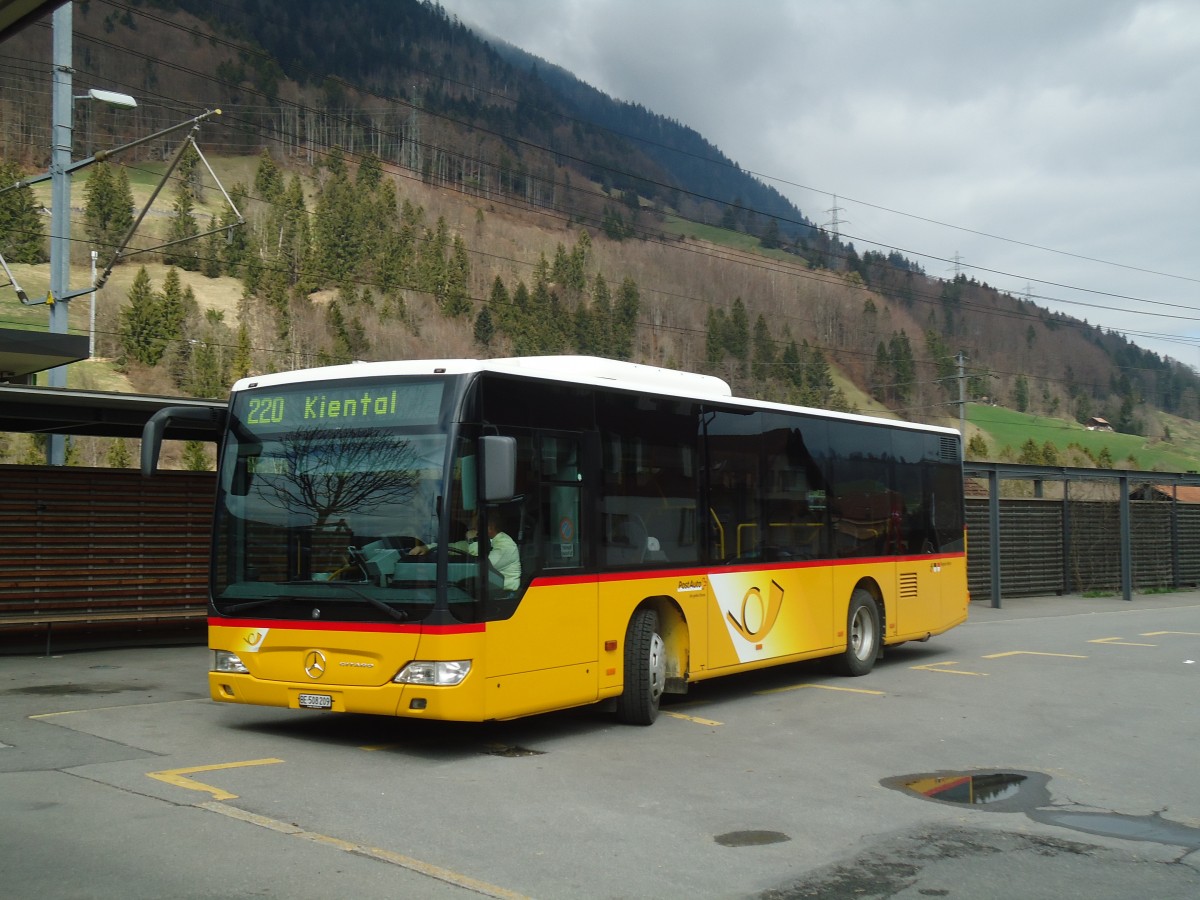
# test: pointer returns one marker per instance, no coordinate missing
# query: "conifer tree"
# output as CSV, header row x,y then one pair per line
x,y
240,364
500,305
484,329
625,319
295,238
817,376
431,263
118,456
210,262
881,375
183,251
904,367
602,318
195,457
21,235
235,239
140,321
792,365
458,276
268,180
576,277
737,334
108,207
585,333
714,338
337,225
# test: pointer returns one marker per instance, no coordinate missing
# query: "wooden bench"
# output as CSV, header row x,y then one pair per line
x,y
87,617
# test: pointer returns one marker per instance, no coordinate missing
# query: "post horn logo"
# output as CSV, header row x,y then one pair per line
x,y
314,664
758,617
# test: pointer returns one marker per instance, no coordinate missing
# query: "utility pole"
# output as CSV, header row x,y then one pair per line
x,y
834,225
961,359
60,205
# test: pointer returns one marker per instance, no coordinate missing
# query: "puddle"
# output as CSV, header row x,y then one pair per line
x,y
1001,791
1132,828
750,838
969,790
1028,792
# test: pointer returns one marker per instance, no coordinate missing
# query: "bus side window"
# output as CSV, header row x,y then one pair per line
x,y
560,501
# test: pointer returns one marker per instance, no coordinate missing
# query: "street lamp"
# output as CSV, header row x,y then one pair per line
x,y
112,98
108,98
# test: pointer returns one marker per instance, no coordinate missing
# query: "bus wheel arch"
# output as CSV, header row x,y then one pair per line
x,y
864,629
655,658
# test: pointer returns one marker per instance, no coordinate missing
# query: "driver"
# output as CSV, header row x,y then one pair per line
x,y
503,556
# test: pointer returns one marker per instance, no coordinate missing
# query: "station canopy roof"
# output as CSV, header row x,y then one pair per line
x,y
43,410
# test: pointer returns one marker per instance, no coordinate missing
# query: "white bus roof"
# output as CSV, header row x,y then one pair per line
x,y
589,370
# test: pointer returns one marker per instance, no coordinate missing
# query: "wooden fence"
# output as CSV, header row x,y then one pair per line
x,y
109,550
101,549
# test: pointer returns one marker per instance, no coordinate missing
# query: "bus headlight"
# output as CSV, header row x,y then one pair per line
x,y
224,661
442,674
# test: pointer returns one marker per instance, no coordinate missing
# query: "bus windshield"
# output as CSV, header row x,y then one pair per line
x,y
324,493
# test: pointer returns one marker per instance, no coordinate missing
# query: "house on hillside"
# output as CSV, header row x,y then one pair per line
x,y
1095,423
1182,492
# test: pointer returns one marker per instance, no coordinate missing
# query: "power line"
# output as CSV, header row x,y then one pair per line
x,y
744,258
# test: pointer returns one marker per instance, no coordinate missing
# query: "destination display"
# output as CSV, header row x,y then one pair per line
x,y
351,406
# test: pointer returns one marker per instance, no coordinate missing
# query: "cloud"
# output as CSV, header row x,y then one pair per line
x,y
1069,125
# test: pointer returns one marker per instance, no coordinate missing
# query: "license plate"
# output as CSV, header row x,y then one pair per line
x,y
316,701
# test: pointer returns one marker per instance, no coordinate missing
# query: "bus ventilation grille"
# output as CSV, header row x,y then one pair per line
x,y
950,448
908,585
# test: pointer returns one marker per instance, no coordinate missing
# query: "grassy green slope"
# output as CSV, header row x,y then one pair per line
x,y
1008,428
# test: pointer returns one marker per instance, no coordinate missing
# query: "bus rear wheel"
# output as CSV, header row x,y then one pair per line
x,y
645,670
862,634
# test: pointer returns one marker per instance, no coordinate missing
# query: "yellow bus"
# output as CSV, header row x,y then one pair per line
x,y
486,539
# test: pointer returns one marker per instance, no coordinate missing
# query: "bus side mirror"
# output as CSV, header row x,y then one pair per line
x,y
197,420
499,467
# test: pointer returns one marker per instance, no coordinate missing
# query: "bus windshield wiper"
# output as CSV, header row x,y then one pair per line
x,y
254,604
398,614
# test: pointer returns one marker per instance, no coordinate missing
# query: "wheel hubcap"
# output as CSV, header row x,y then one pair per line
x,y
658,667
862,633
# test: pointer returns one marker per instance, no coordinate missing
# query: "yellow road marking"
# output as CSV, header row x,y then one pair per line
x,y
377,853
1157,633
823,687
1033,653
937,667
1116,641
71,712
687,718
178,777
371,748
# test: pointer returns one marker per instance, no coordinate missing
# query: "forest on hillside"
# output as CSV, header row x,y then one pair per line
x,y
437,196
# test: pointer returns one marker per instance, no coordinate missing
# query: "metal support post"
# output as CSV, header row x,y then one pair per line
x,y
994,532
60,205
1126,538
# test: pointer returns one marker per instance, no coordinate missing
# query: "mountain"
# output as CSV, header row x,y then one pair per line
x,y
402,176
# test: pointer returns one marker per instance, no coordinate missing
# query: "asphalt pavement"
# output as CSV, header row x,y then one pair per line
x,y
120,778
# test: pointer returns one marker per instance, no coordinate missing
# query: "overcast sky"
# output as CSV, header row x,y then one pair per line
x,y
1053,146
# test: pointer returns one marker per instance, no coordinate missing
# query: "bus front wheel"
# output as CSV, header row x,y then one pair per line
x,y
862,634
645,670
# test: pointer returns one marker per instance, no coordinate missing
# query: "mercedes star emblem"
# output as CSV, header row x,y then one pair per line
x,y
314,664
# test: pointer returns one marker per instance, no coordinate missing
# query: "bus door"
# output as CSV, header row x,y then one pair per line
x,y
918,575
544,655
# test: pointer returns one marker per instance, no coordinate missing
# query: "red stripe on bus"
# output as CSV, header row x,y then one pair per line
x,y
376,627
696,571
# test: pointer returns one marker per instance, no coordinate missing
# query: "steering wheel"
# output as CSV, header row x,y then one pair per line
x,y
358,558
